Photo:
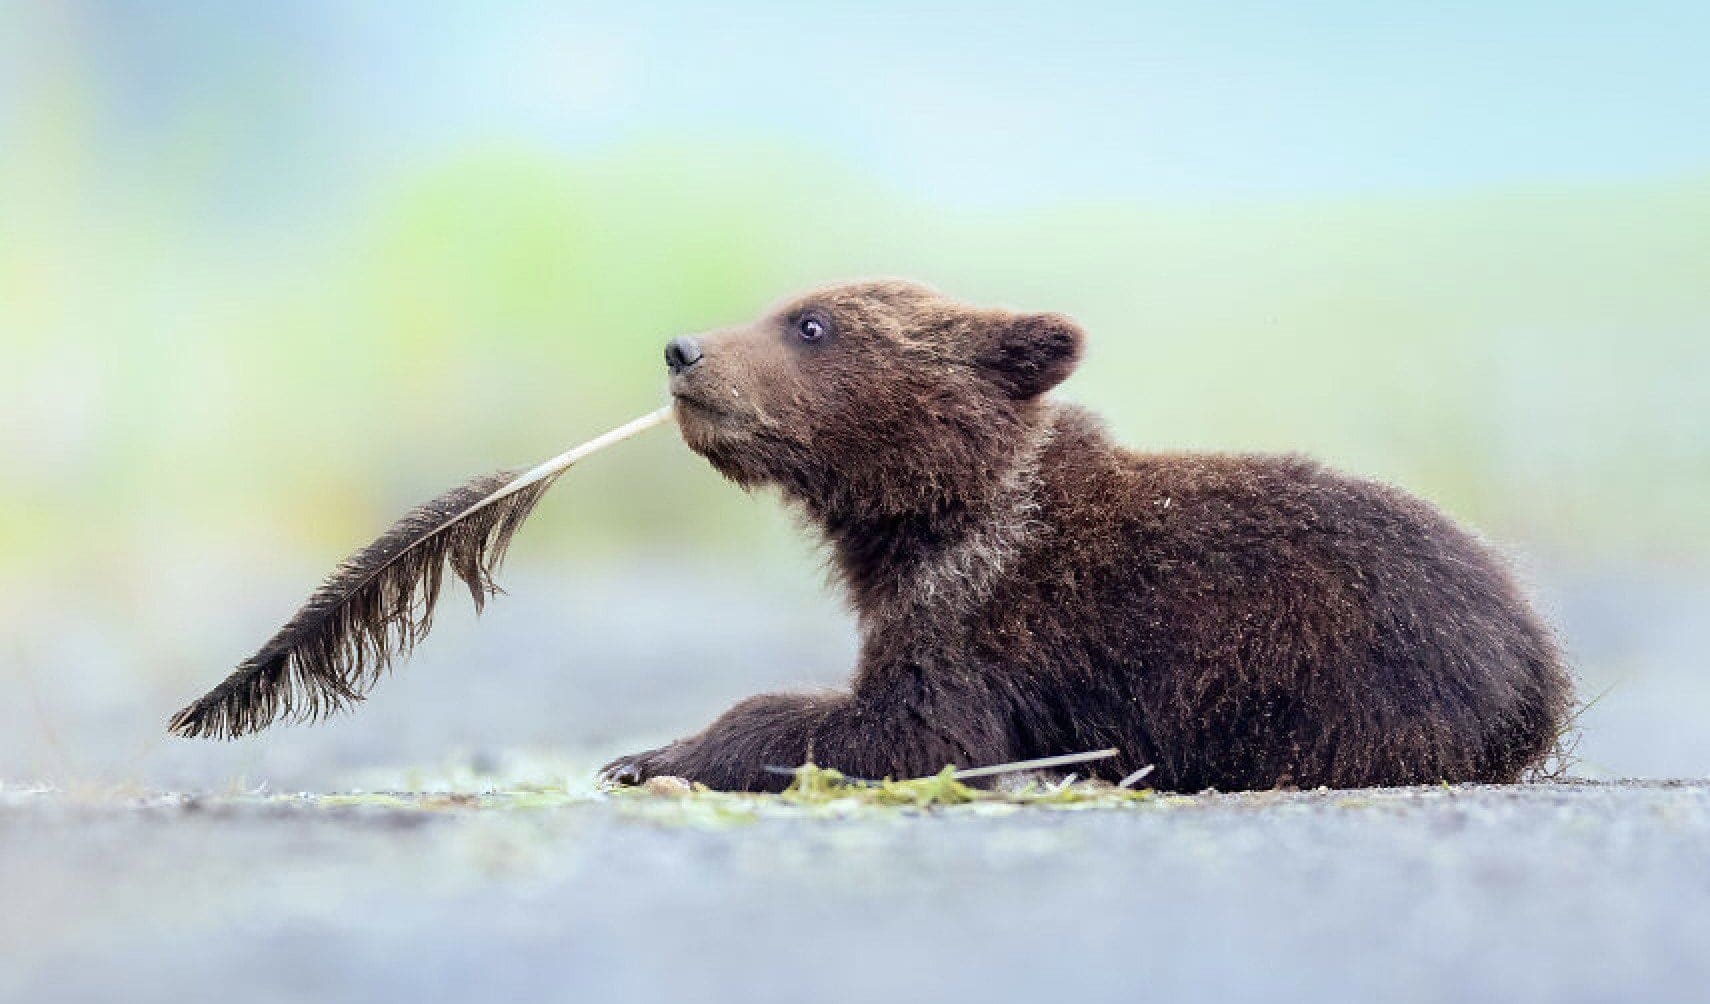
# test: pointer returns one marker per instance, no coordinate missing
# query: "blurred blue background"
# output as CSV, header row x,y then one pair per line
x,y
269,274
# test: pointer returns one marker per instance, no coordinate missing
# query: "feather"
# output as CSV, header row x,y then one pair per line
x,y
379,602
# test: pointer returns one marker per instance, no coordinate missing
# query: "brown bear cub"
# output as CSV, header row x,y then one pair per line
x,y
1026,587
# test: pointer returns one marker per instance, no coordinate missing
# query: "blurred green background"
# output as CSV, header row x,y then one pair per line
x,y
270,274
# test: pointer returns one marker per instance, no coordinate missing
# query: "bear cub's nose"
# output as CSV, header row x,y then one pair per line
x,y
681,353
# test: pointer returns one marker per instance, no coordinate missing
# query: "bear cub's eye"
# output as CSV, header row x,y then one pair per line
x,y
812,327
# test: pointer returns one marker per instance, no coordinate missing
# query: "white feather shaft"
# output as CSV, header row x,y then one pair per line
x,y
563,461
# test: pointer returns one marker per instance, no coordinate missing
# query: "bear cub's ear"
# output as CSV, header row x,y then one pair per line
x,y
1028,354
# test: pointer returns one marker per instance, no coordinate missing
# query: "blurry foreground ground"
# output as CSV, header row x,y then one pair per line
x,y
1543,892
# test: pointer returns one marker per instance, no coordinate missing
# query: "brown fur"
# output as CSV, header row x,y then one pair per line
x,y
1026,587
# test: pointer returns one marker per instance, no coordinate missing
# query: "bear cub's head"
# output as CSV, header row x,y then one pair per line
x,y
874,399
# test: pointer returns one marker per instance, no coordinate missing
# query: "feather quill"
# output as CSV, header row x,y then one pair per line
x,y
379,602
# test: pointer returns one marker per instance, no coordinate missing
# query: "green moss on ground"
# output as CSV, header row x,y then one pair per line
x,y
814,792
819,792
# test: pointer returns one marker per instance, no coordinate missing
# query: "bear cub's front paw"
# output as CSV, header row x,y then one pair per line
x,y
631,770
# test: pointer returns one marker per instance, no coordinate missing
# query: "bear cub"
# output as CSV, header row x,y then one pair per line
x,y
1026,587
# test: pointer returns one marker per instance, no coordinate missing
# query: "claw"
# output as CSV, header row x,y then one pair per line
x,y
624,773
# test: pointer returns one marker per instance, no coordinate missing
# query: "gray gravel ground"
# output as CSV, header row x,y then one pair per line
x,y
1575,891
